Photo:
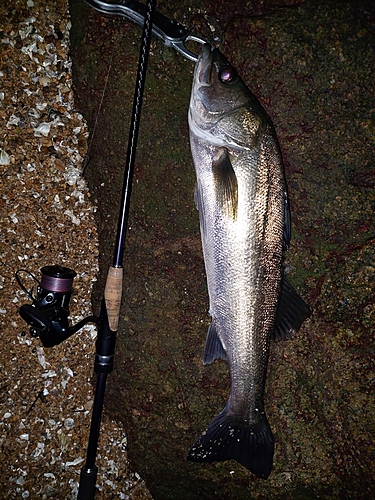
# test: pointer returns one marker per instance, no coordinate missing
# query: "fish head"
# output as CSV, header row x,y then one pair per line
x,y
222,110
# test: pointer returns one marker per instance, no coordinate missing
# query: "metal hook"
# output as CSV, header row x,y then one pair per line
x,y
170,32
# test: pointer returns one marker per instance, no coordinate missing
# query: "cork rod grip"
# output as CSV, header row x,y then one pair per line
x,y
112,295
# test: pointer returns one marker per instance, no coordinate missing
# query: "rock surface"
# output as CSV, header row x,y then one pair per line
x,y
311,65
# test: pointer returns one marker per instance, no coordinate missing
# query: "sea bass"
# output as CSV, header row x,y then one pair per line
x,y
244,219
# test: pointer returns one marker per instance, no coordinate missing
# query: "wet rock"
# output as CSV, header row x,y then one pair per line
x,y
310,65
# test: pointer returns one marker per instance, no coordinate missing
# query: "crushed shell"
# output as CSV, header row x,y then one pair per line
x,y
47,218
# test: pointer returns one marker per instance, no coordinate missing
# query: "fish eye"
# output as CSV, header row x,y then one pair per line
x,y
228,75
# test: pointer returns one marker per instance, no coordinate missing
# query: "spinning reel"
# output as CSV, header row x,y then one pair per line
x,y
49,312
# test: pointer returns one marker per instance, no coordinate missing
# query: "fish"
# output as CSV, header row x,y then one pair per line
x,y
244,219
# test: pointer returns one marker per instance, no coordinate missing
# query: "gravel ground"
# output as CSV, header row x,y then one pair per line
x,y
47,218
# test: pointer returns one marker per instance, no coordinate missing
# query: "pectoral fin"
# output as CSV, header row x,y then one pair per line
x,y
226,185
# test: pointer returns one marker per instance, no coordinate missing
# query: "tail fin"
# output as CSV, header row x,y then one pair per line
x,y
228,438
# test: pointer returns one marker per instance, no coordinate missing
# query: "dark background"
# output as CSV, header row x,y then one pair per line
x,y
311,65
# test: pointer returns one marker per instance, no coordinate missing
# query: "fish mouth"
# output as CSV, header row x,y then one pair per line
x,y
201,117
206,109
204,65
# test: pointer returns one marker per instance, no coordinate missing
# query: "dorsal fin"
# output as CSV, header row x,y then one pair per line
x,y
287,224
226,185
292,311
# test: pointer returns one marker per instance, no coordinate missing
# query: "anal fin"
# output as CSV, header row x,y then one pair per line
x,y
214,348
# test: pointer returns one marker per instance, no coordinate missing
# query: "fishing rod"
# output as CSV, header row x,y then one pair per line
x,y
48,314
111,302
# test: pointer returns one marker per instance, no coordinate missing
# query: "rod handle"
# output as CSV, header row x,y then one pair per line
x,y
112,295
87,483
